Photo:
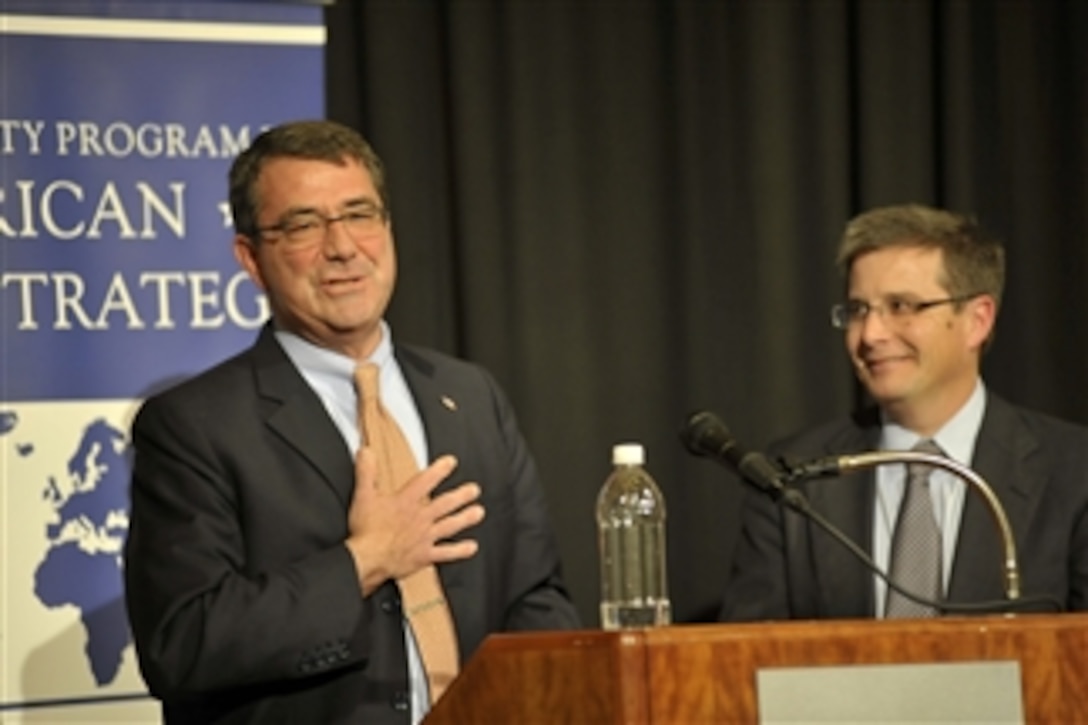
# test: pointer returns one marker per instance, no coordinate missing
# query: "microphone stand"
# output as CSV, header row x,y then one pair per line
x,y
706,435
859,461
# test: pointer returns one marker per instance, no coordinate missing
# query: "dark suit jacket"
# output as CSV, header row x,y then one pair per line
x,y
784,567
244,603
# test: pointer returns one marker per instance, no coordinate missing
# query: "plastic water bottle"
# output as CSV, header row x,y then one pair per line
x,y
631,538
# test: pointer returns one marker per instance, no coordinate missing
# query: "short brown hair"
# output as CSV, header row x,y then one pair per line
x,y
974,263
318,140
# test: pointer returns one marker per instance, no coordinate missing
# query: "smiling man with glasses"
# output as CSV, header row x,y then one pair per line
x,y
308,539
922,291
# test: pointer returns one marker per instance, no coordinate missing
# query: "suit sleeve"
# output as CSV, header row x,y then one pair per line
x,y
536,598
757,584
1074,472
204,617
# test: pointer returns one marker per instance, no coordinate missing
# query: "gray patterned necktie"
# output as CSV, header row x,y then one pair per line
x,y
916,544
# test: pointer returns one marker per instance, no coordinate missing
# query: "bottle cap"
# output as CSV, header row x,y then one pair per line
x,y
628,454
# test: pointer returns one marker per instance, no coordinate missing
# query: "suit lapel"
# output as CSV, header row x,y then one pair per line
x,y
439,409
295,413
444,425
1003,459
845,585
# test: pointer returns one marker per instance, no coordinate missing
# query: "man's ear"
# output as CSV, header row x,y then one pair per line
x,y
982,316
245,251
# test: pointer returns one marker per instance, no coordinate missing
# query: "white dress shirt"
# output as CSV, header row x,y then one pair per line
x,y
332,377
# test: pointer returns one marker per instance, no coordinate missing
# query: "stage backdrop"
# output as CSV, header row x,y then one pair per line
x,y
117,125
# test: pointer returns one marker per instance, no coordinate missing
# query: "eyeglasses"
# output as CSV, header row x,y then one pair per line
x,y
895,310
308,228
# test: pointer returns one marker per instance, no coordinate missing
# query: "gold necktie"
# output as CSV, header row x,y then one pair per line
x,y
422,596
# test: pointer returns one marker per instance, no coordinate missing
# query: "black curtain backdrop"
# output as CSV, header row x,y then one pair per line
x,y
629,211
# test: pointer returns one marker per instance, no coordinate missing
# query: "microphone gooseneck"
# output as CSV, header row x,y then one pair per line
x,y
706,435
861,461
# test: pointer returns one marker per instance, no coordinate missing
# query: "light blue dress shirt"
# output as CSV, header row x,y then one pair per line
x,y
332,377
957,439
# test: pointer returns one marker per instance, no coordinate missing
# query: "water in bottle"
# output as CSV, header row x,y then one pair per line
x,y
631,536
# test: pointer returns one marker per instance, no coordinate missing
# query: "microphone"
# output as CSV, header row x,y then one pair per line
x,y
706,435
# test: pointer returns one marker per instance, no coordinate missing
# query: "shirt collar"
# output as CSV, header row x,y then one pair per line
x,y
325,362
956,437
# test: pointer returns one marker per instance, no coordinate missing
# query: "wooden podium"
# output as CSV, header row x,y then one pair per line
x,y
707,673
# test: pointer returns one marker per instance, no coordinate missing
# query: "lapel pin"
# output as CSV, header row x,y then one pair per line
x,y
449,402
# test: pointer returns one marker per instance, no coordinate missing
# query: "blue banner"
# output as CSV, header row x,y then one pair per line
x,y
118,125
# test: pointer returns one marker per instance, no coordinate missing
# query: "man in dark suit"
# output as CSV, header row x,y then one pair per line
x,y
923,288
264,557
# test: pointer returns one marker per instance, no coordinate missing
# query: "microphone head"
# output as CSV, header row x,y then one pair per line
x,y
706,435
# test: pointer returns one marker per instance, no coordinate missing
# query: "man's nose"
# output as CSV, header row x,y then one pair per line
x,y
338,242
873,325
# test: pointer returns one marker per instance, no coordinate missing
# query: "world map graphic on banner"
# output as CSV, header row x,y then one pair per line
x,y
82,564
67,466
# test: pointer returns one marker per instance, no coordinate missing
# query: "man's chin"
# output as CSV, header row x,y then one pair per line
x,y
884,392
352,328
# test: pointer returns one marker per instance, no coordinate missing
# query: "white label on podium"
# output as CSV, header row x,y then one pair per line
x,y
962,692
